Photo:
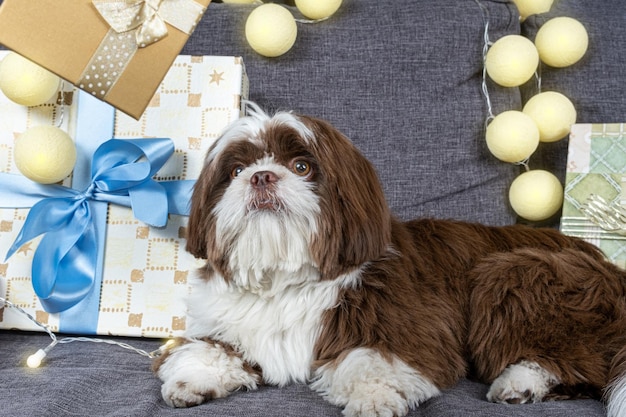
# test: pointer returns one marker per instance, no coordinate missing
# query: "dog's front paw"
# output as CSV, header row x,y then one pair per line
x,y
524,382
189,393
199,371
376,401
367,384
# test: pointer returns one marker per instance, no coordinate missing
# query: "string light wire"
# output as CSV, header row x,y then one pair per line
x,y
485,90
35,360
486,45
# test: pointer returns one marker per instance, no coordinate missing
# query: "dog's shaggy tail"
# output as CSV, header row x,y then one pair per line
x,y
615,393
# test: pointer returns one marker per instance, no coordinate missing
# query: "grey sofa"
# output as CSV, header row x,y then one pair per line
x,y
402,78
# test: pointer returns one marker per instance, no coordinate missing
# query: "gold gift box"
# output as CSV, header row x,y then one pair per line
x,y
71,38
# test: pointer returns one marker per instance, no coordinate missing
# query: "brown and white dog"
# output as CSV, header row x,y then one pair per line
x,y
309,278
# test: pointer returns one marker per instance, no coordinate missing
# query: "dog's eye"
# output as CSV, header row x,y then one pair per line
x,y
301,168
236,171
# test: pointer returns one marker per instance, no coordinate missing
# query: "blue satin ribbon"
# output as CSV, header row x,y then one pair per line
x,y
65,263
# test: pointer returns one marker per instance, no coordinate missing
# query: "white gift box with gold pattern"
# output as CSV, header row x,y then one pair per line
x,y
144,276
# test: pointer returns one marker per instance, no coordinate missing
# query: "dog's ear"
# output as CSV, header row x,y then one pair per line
x,y
356,222
198,225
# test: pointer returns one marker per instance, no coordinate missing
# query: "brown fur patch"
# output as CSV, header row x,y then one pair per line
x,y
356,222
463,296
563,310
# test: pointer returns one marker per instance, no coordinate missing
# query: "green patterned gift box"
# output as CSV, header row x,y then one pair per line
x,y
596,165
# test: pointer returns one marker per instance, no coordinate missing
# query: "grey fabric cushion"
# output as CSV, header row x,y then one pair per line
x,y
87,379
402,79
595,84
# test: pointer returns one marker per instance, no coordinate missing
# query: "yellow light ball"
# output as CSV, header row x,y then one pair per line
x,y
239,1
512,136
45,154
318,9
561,42
536,195
553,113
528,7
271,30
25,82
511,60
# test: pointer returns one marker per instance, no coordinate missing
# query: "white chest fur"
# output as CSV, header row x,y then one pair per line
x,y
275,330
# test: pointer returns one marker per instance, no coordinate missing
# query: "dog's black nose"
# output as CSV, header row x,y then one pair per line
x,y
263,178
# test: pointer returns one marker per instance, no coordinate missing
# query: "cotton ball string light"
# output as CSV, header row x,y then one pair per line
x,y
561,42
271,30
318,9
511,60
553,113
528,7
536,195
25,82
512,136
45,154
239,1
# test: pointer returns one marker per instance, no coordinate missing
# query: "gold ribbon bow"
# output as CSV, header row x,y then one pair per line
x,y
149,17
134,24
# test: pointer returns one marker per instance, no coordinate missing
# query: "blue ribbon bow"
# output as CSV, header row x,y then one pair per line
x,y
65,263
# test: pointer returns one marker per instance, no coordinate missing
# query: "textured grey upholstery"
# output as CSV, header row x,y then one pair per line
x,y
402,79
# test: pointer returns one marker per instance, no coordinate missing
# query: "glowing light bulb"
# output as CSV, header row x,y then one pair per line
x,y
168,345
35,359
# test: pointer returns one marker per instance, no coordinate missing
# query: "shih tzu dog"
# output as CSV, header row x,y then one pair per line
x,y
309,278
